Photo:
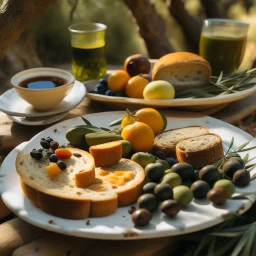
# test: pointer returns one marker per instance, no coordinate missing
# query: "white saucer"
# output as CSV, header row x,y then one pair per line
x,y
13,105
37,121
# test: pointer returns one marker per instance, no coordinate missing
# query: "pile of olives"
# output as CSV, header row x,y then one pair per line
x,y
173,185
102,88
47,151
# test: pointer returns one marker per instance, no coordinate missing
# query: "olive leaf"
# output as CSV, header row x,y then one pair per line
x,y
86,121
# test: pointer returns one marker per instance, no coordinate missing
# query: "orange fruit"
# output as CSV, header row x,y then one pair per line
x,y
117,80
135,86
140,135
127,120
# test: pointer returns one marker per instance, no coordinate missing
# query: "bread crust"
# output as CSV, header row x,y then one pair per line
x,y
200,157
169,150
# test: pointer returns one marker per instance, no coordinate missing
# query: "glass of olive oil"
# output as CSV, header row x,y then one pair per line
x,y
88,51
222,44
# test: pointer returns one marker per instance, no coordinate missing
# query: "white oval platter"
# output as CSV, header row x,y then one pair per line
x,y
198,215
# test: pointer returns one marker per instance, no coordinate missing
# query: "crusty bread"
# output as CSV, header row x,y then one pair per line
x,y
183,70
61,197
167,141
201,150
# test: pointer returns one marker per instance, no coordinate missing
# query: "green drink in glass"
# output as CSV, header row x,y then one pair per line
x,y
222,44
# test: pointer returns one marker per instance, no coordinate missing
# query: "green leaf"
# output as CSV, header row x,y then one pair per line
x,y
242,146
245,149
117,122
248,247
230,145
86,121
240,245
251,167
246,157
225,248
253,177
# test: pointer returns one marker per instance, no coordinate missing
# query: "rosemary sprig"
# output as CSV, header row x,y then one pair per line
x,y
222,84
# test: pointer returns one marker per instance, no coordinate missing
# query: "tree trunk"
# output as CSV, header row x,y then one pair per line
x,y
152,27
15,15
191,27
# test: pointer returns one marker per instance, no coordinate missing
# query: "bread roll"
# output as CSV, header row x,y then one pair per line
x,y
201,150
116,185
167,141
183,70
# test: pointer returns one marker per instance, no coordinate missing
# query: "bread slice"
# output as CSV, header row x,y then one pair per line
x,y
167,141
183,70
61,197
201,150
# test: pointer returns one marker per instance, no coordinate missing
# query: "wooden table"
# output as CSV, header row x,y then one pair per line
x,y
24,239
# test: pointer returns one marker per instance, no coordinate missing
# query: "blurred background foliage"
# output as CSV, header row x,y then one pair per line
x,y
52,39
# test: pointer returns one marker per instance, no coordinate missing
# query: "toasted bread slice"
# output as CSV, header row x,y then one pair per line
x,y
61,197
167,141
201,150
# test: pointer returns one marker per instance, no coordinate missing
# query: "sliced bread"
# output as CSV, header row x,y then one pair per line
x,y
183,70
61,197
167,141
201,150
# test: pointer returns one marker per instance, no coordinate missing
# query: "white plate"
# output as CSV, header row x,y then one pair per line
x,y
200,214
189,103
12,104
36,121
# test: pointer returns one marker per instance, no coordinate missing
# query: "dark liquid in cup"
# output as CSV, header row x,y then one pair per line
x,y
223,53
43,82
88,63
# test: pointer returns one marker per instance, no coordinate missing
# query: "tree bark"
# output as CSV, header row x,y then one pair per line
x,y
15,16
190,27
212,9
152,27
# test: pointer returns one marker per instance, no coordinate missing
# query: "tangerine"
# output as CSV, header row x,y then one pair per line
x,y
135,86
117,80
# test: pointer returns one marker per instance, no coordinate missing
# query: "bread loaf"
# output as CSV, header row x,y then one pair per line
x,y
201,150
167,141
183,70
115,185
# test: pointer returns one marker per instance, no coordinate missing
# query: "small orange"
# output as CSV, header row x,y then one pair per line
x,y
127,120
140,135
117,80
135,86
151,117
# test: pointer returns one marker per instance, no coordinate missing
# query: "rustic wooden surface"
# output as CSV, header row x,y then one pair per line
x,y
20,238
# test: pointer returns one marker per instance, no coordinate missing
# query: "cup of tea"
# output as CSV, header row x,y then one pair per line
x,y
222,44
43,88
88,51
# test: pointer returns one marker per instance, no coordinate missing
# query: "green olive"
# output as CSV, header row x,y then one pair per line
x,y
154,172
149,188
227,185
148,201
199,189
164,163
163,192
241,178
170,207
183,169
143,158
209,174
218,195
172,178
231,166
126,148
141,217
183,195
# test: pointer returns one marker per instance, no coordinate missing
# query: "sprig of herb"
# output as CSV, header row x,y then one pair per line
x,y
221,85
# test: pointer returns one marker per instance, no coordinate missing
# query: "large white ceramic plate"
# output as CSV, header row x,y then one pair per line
x,y
12,104
198,215
194,104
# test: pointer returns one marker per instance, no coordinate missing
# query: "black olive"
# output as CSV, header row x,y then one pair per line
x,y
103,81
36,155
231,166
239,159
53,158
62,165
241,178
163,191
170,207
54,145
45,144
149,188
154,171
49,139
131,209
141,217
195,176
49,152
183,169
233,154
171,161
100,88
160,154
218,195
148,201
209,174
199,189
